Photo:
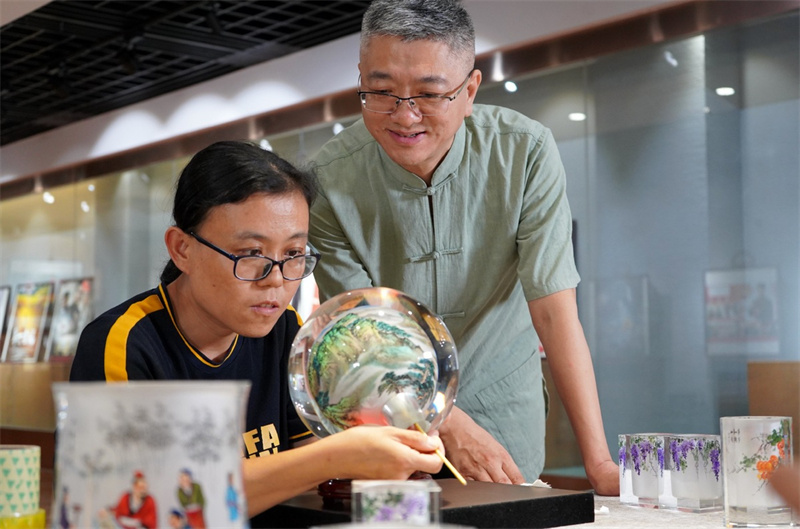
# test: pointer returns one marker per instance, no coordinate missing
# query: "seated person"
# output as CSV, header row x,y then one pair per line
x,y
136,509
237,251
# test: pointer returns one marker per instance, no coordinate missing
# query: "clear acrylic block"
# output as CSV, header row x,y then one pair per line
x,y
412,502
695,471
753,447
641,460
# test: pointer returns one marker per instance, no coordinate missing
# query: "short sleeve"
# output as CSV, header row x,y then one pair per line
x,y
544,234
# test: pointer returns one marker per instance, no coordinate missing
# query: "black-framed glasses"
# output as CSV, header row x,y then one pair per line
x,y
256,267
423,105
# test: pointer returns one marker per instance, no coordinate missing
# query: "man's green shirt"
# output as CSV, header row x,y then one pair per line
x,y
492,231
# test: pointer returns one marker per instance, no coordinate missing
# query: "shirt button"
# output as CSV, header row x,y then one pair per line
x,y
430,191
435,254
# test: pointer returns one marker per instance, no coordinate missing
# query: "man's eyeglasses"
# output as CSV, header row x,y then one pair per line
x,y
256,267
424,105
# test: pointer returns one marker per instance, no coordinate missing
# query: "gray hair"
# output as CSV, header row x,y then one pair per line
x,y
441,20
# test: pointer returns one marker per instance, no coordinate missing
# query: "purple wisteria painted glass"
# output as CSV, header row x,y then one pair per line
x,y
694,468
410,502
641,458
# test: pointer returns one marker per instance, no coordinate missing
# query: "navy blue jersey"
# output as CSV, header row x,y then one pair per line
x,y
139,340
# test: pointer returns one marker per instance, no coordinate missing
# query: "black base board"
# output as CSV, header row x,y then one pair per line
x,y
477,504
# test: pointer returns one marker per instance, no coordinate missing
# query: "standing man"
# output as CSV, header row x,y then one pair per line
x,y
190,496
464,208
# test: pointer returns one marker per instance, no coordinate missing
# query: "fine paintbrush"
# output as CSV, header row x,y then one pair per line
x,y
446,461
402,411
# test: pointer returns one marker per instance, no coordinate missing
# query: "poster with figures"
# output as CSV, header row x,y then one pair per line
x,y
742,311
72,312
28,321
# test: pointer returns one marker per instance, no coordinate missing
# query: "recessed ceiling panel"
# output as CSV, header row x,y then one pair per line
x,y
73,59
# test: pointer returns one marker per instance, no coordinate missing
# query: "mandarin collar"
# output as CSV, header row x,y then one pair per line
x,y
444,173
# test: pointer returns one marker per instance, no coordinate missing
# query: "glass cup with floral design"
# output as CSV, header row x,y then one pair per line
x,y
642,472
753,447
695,471
382,502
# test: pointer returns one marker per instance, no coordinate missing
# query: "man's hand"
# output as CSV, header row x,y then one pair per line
x,y
475,453
604,478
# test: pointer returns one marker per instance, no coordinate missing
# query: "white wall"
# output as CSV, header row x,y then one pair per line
x,y
278,83
12,9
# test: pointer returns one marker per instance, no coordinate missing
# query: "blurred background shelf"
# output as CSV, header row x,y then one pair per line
x,y
27,414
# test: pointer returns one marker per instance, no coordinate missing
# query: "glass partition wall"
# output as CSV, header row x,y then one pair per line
x,y
684,179
684,182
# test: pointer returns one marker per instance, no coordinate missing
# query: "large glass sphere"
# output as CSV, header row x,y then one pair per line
x,y
372,356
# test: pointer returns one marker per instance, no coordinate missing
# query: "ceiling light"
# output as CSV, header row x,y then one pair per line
x,y
497,67
84,206
670,58
265,144
577,116
48,197
91,187
510,86
725,91
337,128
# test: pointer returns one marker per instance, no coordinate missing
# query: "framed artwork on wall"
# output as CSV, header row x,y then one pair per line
x,y
5,301
741,311
71,313
28,321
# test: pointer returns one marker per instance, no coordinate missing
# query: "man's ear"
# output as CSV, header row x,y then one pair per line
x,y
472,90
177,243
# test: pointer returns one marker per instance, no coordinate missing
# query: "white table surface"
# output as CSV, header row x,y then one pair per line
x,y
624,516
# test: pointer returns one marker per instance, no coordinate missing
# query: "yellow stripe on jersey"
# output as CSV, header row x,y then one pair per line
x,y
296,315
116,343
301,435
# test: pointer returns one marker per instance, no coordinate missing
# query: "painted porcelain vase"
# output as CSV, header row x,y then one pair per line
x,y
149,454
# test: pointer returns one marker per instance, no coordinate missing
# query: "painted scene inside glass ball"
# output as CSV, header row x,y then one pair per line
x,y
372,356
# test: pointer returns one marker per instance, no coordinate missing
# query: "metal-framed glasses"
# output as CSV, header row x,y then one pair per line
x,y
423,105
256,267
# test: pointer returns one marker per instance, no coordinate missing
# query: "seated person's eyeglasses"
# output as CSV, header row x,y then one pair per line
x,y
256,267
424,105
